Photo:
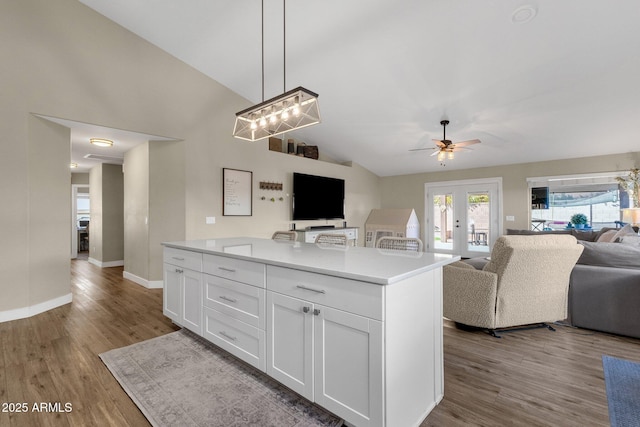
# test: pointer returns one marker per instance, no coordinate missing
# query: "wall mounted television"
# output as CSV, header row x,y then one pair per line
x,y
317,197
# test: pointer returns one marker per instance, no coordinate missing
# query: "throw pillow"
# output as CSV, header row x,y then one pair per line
x,y
629,239
624,231
607,236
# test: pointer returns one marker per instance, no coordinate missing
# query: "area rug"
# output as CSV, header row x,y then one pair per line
x,y
622,380
180,379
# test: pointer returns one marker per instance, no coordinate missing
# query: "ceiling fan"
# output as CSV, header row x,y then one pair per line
x,y
445,148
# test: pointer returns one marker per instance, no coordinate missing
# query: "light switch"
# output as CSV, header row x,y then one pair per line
x,y
511,218
210,220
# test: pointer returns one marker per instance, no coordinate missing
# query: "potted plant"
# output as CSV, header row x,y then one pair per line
x,y
579,220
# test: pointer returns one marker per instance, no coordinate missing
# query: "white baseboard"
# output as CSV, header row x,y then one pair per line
x,y
22,313
101,264
149,284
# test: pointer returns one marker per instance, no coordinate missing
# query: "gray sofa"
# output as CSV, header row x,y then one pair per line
x,y
604,290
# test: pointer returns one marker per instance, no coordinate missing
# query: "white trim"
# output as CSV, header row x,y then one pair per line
x,y
597,175
149,284
101,264
22,313
497,180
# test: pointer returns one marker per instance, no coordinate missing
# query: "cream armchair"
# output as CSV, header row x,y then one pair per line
x,y
526,281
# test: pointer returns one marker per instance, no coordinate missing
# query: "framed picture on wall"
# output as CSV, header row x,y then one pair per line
x,y
237,192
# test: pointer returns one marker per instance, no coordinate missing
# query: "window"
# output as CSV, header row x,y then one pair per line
x,y
598,197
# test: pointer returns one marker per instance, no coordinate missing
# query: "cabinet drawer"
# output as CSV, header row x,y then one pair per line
x,y
243,341
239,270
353,296
240,301
182,258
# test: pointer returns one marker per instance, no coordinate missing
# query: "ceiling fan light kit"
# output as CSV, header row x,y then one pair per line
x,y
295,109
445,149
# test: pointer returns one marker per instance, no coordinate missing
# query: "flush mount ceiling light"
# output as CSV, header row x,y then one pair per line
x,y
295,109
524,14
101,142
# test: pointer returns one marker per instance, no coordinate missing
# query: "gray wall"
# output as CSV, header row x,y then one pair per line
x,y
65,60
407,191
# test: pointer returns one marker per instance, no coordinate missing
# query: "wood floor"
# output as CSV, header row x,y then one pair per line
x,y
528,378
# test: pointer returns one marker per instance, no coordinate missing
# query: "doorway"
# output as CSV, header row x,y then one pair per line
x,y
463,217
80,217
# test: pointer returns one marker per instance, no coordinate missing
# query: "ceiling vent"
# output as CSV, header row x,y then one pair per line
x,y
100,157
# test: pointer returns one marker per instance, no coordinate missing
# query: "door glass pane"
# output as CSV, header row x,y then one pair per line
x,y
478,221
443,221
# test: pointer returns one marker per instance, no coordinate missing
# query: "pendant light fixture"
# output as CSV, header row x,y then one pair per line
x,y
294,109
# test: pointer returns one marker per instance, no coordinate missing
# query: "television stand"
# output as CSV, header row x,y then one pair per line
x,y
319,227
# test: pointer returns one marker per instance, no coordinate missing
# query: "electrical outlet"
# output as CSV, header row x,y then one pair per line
x,y
210,220
511,218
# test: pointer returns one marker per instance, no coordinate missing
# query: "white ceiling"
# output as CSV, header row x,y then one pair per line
x,y
565,84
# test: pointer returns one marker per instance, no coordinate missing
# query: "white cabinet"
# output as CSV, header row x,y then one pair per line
x,y
329,356
234,307
183,288
335,326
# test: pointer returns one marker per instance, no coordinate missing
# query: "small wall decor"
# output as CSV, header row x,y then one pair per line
x,y
237,192
277,186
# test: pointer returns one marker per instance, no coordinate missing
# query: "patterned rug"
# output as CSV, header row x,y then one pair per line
x,y
622,379
180,379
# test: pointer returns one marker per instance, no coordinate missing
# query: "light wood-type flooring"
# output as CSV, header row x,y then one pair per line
x,y
527,378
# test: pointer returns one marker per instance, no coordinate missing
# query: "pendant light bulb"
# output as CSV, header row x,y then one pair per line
x,y
450,155
441,156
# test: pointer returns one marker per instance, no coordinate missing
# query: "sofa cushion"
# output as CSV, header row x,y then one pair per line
x,y
605,254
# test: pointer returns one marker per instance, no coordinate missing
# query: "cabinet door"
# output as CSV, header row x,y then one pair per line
x,y
171,297
349,365
289,342
192,301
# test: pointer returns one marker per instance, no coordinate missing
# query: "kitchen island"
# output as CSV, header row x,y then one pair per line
x,y
356,330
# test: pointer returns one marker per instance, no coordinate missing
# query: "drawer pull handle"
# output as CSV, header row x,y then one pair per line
x,y
230,270
227,298
319,291
178,258
179,271
305,309
316,311
224,334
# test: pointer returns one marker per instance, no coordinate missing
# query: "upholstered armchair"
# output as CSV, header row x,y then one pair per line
x,y
526,281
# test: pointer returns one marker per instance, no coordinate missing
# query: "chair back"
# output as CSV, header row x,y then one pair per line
x,y
400,243
533,276
330,239
285,235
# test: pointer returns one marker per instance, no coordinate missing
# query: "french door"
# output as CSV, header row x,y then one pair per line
x,y
462,217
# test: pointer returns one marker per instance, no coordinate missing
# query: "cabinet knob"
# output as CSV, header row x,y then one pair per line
x,y
305,309
316,311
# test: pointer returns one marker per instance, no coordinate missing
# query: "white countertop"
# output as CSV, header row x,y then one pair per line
x,y
378,266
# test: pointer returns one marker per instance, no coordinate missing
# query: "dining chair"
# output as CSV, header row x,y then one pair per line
x,y
285,235
328,239
400,243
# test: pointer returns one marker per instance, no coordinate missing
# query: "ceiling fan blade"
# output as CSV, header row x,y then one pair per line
x,y
465,143
423,149
457,149
435,152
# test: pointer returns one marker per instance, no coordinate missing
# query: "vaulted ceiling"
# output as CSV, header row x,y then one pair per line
x,y
533,80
